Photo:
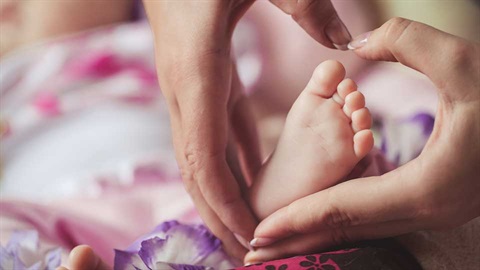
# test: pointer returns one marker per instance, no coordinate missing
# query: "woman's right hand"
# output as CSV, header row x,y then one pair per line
x,y
206,104
437,190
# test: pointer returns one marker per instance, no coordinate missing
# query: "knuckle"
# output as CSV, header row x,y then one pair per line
x,y
339,236
188,180
302,7
191,157
396,28
336,218
460,53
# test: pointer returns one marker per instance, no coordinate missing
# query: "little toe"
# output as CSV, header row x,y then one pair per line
x,y
362,143
354,101
361,119
346,87
326,78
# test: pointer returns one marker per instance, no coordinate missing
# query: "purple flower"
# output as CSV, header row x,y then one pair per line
x,y
172,245
23,253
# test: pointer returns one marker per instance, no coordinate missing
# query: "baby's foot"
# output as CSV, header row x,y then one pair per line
x,y
326,134
84,258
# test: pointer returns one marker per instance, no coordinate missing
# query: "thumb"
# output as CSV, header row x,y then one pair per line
x,y
319,19
416,45
360,203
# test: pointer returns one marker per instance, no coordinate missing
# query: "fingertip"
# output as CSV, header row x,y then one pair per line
x,y
338,34
262,242
359,41
251,258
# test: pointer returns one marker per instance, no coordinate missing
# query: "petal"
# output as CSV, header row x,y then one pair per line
x,y
6,259
180,246
426,121
159,231
197,239
152,251
18,264
172,266
218,260
35,266
53,259
165,226
26,239
124,260
198,245
205,242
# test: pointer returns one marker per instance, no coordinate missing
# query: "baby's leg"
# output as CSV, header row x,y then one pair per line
x,y
326,134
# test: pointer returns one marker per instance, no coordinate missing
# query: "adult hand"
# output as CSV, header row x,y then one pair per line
x,y
206,104
438,190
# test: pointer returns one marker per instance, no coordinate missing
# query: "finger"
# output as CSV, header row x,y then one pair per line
x,y
204,127
245,131
353,203
216,226
324,239
416,45
194,70
297,245
319,19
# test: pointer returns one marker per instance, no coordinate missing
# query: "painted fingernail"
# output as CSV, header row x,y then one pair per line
x,y
338,33
251,263
359,41
242,241
261,242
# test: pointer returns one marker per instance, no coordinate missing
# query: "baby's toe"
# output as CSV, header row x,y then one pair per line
x,y
362,143
346,87
361,119
326,78
353,102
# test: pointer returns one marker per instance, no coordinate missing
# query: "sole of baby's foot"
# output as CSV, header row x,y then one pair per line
x,y
84,258
325,135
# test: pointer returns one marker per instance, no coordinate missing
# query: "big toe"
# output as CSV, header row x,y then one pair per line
x,y
326,78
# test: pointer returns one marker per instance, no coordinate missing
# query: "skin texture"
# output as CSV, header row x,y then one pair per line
x,y
325,136
210,118
437,190
84,258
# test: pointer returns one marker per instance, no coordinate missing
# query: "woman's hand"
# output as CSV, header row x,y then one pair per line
x,y
439,189
209,113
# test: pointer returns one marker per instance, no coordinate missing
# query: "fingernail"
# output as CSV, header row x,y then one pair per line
x,y
251,263
359,41
242,241
338,33
261,242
